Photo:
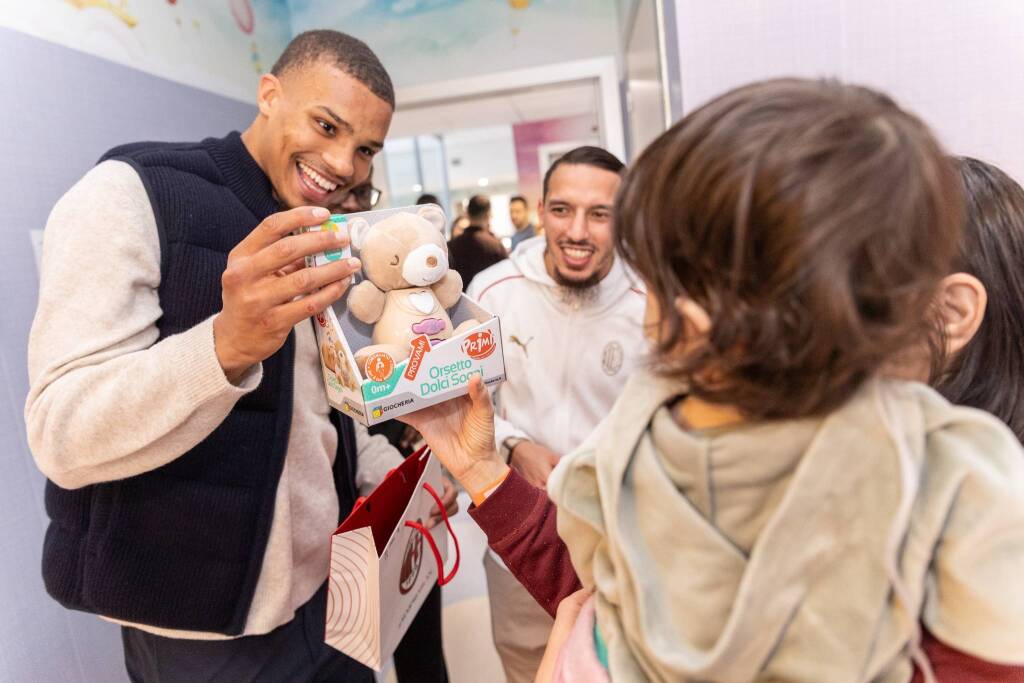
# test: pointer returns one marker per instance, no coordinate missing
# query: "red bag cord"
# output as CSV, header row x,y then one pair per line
x,y
441,578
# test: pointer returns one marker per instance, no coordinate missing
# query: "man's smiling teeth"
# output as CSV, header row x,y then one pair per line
x,y
318,179
578,254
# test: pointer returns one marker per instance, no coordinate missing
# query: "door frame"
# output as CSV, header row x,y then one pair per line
x,y
602,71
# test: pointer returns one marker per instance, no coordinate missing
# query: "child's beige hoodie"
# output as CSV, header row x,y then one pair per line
x,y
805,550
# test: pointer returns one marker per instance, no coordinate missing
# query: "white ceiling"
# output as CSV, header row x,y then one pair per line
x,y
534,104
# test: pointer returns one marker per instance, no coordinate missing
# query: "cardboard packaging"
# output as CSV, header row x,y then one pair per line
x,y
433,372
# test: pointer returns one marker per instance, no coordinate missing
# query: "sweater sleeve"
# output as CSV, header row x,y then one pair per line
x,y
521,526
106,399
953,666
376,458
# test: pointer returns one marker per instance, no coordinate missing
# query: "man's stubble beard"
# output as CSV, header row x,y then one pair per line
x,y
577,291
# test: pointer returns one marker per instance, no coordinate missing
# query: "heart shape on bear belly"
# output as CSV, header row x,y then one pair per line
x,y
422,301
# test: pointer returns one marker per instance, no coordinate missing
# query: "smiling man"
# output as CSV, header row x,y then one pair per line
x,y
177,405
572,317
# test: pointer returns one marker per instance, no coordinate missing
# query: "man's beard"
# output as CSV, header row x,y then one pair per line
x,y
577,291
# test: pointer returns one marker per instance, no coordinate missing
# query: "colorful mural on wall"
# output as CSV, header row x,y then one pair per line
x,y
217,45
223,45
422,41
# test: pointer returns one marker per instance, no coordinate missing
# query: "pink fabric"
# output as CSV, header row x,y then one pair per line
x,y
578,662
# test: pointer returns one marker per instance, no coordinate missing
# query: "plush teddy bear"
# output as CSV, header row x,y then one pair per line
x,y
408,285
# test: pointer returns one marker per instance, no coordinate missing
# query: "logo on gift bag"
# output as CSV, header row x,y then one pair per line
x,y
411,562
479,345
365,617
321,319
379,366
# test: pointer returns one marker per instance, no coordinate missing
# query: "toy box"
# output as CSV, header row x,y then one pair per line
x,y
382,384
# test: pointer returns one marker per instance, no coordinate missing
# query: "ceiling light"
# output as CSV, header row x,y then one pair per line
x,y
482,182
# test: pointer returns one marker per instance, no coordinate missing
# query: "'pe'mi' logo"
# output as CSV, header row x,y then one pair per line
x,y
321,319
479,345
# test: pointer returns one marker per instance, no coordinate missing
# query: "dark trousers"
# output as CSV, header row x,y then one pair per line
x,y
419,657
293,652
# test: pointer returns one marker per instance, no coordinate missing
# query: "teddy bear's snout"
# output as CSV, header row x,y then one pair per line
x,y
424,265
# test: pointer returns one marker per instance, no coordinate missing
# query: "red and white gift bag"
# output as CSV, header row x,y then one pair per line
x,y
384,562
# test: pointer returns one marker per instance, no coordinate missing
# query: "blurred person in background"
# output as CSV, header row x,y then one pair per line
x,y
476,248
519,212
362,197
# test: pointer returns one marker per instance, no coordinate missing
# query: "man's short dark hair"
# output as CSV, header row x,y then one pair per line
x,y
586,155
351,55
478,207
518,198
428,199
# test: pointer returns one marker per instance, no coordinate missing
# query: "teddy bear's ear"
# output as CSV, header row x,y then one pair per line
x,y
357,232
433,215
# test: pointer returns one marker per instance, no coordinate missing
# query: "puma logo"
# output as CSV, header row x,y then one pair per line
x,y
523,345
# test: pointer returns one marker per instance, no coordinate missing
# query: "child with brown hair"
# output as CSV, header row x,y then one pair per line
x,y
762,505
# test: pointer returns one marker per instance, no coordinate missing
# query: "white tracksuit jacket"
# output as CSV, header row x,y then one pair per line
x,y
565,363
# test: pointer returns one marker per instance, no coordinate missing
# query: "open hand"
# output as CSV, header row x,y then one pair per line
x,y
461,433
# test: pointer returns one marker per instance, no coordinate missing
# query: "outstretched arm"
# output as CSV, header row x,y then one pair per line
x,y
518,518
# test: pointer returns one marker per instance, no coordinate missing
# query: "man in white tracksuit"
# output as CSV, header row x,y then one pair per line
x,y
572,327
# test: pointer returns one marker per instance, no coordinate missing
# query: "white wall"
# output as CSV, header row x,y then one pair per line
x,y
959,65
61,110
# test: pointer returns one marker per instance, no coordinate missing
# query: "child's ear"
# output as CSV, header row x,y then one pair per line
x,y
357,231
962,300
433,215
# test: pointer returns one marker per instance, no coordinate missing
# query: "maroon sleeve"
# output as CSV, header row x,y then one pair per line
x,y
954,666
519,521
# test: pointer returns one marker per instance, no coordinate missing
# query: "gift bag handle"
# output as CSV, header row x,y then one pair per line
x,y
441,578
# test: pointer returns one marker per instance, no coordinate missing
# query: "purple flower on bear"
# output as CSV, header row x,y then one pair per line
x,y
428,326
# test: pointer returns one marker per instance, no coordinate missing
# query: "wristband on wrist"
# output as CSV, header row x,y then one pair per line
x,y
479,497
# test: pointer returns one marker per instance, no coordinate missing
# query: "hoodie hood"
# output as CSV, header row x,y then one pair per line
x,y
730,554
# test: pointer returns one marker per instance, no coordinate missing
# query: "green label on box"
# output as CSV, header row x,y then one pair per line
x,y
333,224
